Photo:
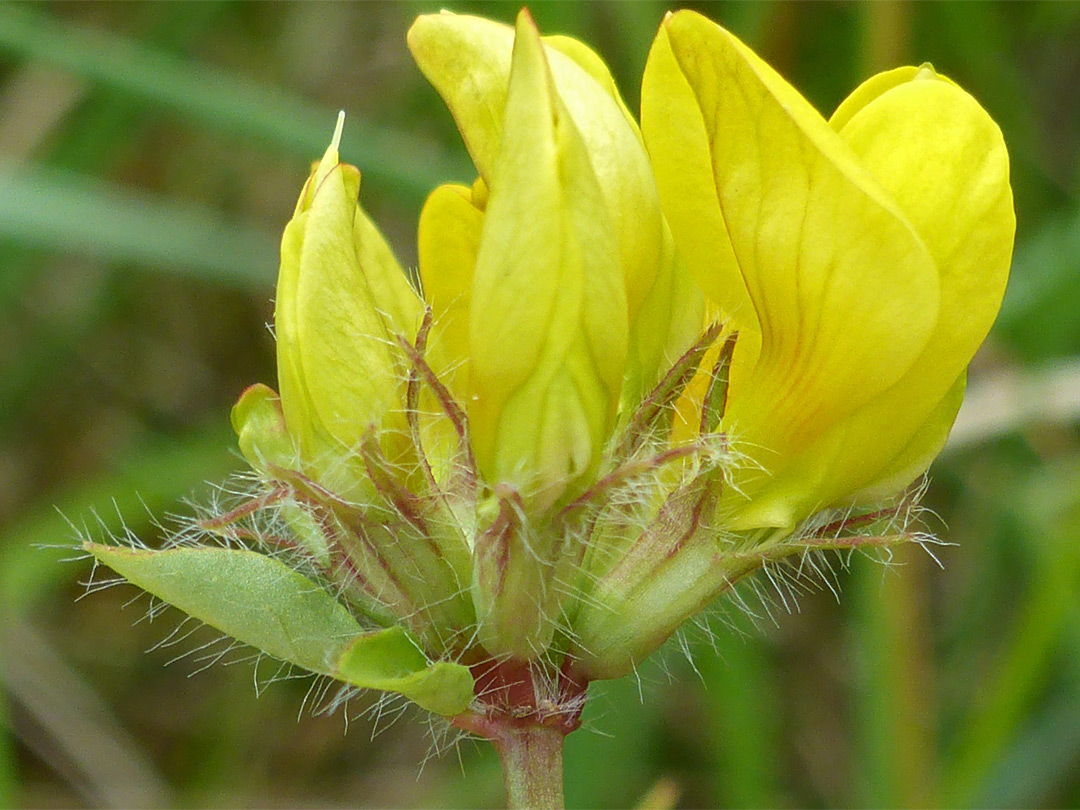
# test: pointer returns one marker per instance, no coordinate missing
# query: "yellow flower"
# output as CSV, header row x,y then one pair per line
x,y
555,294
645,364
552,279
556,302
861,259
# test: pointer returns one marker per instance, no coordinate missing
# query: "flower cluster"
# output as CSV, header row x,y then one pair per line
x,y
641,363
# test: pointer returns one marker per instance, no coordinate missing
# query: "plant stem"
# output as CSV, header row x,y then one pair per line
x,y
532,765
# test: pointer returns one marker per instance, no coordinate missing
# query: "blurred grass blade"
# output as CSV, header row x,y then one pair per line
x,y
8,775
53,210
72,728
397,161
1046,755
109,127
743,716
1052,511
49,344
616,729
894,744
1038,315
148,480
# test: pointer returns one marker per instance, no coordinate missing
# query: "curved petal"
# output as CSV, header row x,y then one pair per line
x,y
394,297
548,326
291,383
844,289
870,90
921,449
678,144
467,59
873,439
589,60
344,346
944,161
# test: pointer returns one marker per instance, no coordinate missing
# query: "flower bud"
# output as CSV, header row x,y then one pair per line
x,y
341,301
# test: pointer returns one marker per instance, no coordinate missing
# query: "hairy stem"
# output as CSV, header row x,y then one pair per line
x,y
532,765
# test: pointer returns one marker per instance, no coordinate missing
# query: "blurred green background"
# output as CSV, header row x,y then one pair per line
x,y
150,155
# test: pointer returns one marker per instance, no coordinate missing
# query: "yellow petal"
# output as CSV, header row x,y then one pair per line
x,y
921,449
291,383
589,61
467,59
845,291
448,241
323,167
548,325
870,90
833,471
943,159
295,398
344,345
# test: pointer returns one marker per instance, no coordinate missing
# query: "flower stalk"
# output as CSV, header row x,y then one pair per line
x,y
532,762
526,711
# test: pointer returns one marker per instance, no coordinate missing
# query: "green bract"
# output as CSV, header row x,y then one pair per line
x,y
643,364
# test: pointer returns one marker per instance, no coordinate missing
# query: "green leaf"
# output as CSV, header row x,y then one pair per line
x,y
265,604
254,598
393,661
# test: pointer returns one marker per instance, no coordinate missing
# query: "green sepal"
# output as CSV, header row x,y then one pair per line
x,y
260,428
392,660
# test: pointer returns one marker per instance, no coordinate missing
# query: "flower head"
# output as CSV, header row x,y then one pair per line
x,y
640,365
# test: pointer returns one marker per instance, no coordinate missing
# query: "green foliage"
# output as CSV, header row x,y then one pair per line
x,y
264,603
152,153
254,598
